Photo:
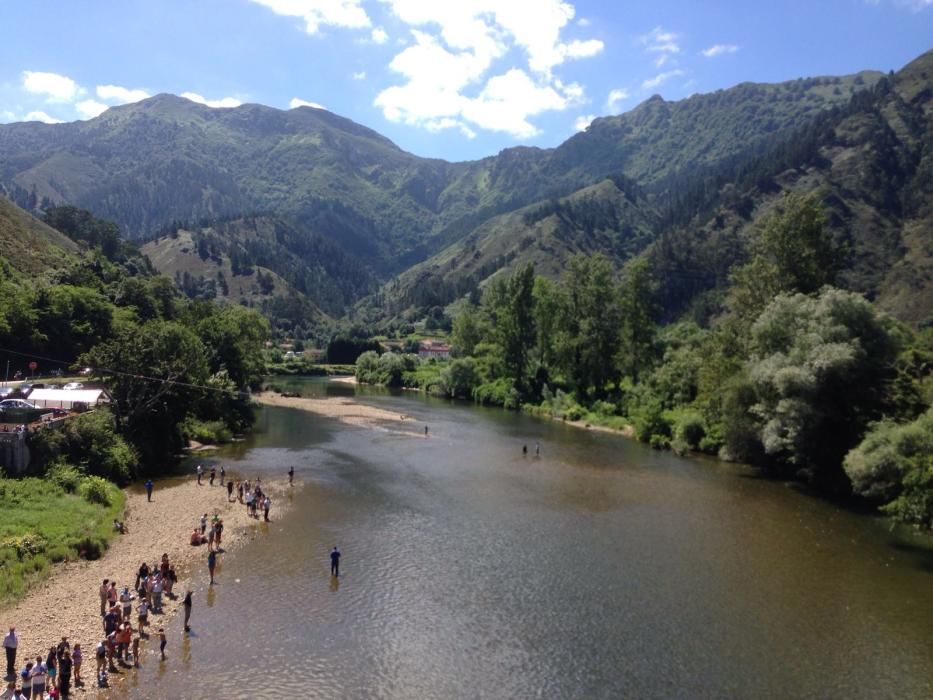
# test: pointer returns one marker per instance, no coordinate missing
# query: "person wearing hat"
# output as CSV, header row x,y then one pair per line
x,y
10,642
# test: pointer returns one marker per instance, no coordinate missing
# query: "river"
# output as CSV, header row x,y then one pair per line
x,y
599,569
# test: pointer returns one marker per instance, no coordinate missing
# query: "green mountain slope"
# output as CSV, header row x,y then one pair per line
x,y
253,259
868,158
167,159
29,245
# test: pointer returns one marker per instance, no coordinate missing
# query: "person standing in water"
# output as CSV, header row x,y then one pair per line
x,y
187,604
335,562
425,431
211,564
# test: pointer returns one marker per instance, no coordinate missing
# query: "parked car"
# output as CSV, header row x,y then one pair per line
x,y
5,391
73,385
16,403
19,411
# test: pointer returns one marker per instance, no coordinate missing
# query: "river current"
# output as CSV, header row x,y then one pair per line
x,y
598,569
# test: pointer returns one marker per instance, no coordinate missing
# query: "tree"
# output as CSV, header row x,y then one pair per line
x,y
460,378
638,313
590,324
817,373
515,324
547,304
791,252
155,373
467,332
235,337
893,466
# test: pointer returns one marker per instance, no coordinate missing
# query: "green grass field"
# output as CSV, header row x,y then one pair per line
x,y
40,523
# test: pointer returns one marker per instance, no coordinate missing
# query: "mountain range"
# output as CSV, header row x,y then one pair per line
x,y
306,209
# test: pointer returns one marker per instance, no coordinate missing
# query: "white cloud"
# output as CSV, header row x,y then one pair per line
x,y
509,99
120,95
41,117
317,13
223,102
379,35
582,49
615,97
90,108
56,88
297,102
7,116
583,122
663,43
361,75
456,44
583,22
719,49
661,78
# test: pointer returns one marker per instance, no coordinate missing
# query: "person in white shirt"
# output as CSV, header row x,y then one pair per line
x,y
10,642
38,679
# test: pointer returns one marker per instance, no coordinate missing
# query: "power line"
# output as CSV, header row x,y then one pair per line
x,y
120,373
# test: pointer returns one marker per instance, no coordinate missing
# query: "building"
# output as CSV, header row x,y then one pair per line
x,y
437,349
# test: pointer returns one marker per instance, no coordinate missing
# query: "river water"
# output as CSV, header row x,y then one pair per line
x,y
599,569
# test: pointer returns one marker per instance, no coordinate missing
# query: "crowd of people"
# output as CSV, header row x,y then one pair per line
x,y
54,675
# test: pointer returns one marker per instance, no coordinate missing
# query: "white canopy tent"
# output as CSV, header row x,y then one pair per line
x,y
67,398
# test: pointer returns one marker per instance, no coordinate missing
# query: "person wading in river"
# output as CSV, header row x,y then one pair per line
x,y
335,562
187,604
211,563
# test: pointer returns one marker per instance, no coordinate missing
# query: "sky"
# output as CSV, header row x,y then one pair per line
x,y
452,79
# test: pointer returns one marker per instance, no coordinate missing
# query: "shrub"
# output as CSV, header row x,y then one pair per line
x,y
893,465
65,476
649,421
689,430
96,490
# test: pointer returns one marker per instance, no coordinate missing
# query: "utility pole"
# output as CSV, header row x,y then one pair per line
x,y
7,381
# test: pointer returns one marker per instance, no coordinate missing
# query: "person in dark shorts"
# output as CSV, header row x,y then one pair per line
x,y
291,476
211,563
149,490
335,562
230,490
162,642
213,474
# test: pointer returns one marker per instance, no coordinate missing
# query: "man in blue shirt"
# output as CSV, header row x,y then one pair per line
x,y
149,490
335,562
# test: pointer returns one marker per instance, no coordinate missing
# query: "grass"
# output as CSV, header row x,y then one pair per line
x,y
41,523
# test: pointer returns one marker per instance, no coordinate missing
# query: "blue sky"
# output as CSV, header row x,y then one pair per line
x,y
456,79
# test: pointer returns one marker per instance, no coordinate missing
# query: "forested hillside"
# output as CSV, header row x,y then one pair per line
x,y
166,159
868,160
173,365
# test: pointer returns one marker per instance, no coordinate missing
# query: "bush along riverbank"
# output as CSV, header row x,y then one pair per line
x,y
63,517
781,369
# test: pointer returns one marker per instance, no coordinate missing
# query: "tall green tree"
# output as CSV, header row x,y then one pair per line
x,y
817,376
590,324
791,252
637,351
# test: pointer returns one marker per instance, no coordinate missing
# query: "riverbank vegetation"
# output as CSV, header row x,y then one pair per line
x,y
806,380
60,518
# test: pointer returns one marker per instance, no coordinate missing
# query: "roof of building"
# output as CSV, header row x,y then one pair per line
x,y
68,395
